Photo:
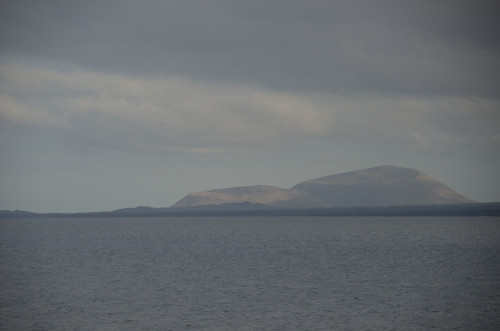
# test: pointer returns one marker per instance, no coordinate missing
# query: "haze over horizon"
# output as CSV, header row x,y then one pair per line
x,y
112,104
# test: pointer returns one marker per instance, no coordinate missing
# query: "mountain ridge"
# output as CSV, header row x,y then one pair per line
x,y
385,185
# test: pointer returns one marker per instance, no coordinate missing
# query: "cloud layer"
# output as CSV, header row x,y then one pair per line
x,y
173,114
390,47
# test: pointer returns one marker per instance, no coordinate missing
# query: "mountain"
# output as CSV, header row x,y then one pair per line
x,y
380,191
380,186
258,195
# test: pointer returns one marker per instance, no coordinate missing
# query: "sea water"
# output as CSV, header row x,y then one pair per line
x,y
261,273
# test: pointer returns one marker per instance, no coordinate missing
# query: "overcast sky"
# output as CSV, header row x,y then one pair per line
x,y
112,104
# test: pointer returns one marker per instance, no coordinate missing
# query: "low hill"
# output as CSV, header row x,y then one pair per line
x,y
270,196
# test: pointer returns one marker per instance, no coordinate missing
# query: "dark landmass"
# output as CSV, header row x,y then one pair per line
x,y
17,214
236,206
466,209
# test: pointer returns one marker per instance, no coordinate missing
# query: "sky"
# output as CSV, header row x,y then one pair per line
x,y
113,104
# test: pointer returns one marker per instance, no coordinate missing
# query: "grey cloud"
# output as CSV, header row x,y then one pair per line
x,y
151,112
383,47
173,115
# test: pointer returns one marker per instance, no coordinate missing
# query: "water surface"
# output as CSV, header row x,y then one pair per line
x,y
273,273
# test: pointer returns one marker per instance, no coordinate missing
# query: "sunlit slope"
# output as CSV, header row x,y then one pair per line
x,y
269,196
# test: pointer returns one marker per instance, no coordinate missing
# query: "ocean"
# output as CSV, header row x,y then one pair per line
x,y
250,273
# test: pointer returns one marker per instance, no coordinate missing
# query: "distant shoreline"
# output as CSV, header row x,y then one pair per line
x,y
464,210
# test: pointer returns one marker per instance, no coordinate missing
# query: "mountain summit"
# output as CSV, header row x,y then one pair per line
x,y
380,186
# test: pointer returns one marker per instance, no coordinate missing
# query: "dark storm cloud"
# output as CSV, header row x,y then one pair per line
x,y
381,47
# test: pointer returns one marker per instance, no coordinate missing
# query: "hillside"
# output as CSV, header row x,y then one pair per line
x,y
270,196
380,186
